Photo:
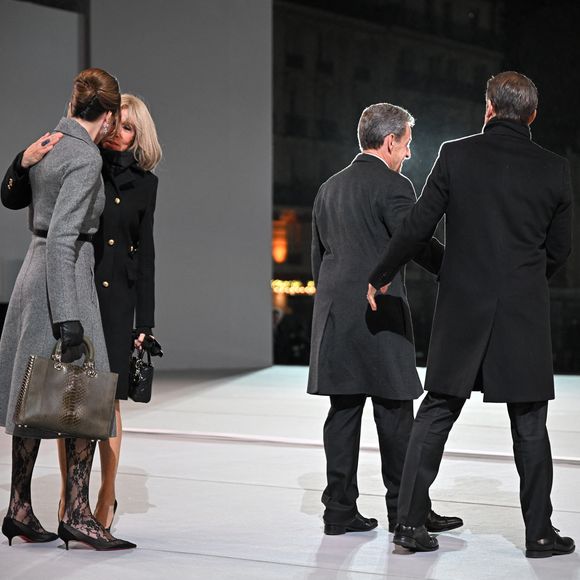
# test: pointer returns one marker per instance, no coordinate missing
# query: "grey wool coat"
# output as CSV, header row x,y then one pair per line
x,y
355,350
55,283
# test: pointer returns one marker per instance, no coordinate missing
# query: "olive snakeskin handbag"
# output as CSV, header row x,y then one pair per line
x,y
67,399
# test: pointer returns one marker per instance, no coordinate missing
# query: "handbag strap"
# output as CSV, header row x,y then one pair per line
x,y
141,354
89,350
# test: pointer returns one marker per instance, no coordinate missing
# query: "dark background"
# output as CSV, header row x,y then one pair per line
x,y
433,57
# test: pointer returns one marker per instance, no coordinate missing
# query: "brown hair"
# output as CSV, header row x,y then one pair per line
x,y
95,92
513,96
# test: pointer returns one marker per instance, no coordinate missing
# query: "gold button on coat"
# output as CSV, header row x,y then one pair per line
x,y
117,200
111,242
105,284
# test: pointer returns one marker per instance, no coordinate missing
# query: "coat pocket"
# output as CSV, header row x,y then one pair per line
x,y
132,269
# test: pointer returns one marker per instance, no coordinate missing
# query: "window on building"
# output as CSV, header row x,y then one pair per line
x,y
473,18
327,130
294,60
447,16
428,14
362,73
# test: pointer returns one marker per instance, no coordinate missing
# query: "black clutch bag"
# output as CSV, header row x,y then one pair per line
x,y
140,377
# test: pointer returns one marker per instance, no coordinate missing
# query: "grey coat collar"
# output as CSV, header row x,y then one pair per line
x,y
73,129
366,157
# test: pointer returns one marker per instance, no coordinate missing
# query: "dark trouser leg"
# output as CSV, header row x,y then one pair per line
x,y
433,422
533,459
394,421
24,454
341,445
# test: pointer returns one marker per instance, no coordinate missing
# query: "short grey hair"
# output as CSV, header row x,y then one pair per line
x,y
378,121
513,96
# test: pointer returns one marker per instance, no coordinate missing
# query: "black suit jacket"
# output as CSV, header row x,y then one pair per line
x,y
508,207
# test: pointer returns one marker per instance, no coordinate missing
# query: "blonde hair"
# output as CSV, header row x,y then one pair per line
x,y
145,146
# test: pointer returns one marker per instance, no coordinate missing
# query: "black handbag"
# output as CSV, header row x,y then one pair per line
x,y
140,377
67,399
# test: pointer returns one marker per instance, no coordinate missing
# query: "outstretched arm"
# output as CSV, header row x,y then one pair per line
x,y
16,191
417,228
400,203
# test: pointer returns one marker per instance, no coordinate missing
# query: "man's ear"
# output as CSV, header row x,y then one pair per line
x,y
489,111
533,117
389,142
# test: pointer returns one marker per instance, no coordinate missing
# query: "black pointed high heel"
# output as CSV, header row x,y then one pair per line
x,y
69,534
12,528
114,512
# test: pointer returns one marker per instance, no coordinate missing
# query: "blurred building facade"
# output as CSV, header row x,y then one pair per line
x,y
331,60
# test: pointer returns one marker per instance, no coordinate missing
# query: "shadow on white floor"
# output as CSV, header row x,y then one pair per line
x,y
221,477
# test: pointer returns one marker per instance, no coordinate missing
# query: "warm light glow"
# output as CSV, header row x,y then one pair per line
x,y
280,301
279,242
293,287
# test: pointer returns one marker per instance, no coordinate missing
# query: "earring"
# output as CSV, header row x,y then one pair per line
x,y
105,128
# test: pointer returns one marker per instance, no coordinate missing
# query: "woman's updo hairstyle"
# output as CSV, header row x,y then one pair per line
x,y
95,92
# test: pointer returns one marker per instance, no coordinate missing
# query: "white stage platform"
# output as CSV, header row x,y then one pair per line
x,y
221,477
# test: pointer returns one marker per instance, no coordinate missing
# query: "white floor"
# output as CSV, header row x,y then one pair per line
x,y
221,477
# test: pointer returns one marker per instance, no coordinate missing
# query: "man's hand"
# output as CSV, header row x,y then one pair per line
x,y
372,292
35,152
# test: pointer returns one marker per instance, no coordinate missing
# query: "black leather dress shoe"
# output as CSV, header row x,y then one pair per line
x,y
436,523
546,547
357,523
415,539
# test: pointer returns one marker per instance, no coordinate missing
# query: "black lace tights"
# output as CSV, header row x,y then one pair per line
x,y
79,460
24,453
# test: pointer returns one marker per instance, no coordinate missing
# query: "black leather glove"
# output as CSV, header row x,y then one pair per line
x,y
146,330
71,333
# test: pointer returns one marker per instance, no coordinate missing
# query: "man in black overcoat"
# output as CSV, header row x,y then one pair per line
x,y
507,203
355,214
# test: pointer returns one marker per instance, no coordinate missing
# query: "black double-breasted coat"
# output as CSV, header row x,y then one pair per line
x,y
124,251
508,204
355,350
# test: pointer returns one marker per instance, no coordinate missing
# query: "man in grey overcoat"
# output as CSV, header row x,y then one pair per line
x,y
356,353
508,204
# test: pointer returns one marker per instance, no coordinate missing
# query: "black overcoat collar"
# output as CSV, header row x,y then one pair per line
x,y
508,127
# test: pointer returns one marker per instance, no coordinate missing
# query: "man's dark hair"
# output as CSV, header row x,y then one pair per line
x,y
513,96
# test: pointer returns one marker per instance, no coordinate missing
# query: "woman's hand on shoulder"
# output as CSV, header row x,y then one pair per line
x,y
37,150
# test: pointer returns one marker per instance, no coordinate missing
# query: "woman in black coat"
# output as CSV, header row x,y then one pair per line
x,y
124,256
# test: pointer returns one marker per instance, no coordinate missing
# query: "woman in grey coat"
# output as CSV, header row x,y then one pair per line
x,y
55,297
